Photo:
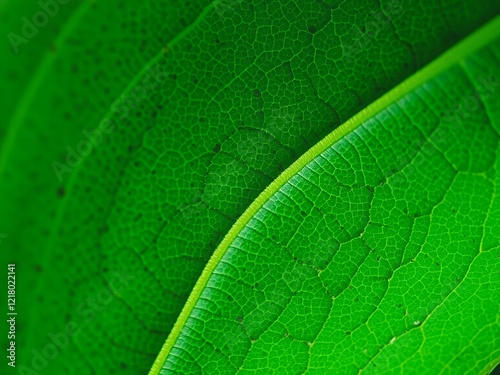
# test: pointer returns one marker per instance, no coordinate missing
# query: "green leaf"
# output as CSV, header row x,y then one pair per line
x,y
209,102
28,48
377,251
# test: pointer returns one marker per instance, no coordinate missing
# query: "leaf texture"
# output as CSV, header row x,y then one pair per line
x,y
242,92
376,252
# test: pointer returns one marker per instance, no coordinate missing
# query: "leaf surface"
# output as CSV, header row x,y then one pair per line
x,y
376,252
244,89
26,49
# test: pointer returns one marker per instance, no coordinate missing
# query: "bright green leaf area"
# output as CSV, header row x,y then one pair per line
x,y
242,89
376,252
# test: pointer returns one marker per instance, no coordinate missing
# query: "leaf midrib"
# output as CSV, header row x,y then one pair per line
x,y
467,46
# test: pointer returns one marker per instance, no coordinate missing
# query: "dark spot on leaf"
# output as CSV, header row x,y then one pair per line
x,y
217,148
312,29
256,93
60,191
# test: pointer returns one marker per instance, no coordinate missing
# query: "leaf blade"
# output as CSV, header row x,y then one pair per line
x,y
247,228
